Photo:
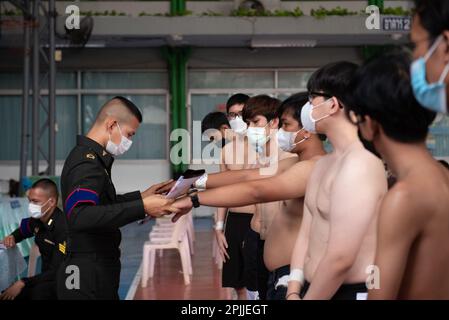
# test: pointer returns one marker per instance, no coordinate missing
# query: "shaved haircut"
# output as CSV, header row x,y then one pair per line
x,y
120,108
48,186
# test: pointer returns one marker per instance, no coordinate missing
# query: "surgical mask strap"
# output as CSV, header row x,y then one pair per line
x,y
44,205
444,74
296,134
320,104
119,130
433,48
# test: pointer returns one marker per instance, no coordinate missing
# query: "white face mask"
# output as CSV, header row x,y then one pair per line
x,y
257,137
35,210
286,139
308,122
121,148
238,125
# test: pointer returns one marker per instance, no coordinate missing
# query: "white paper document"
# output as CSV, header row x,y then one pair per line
x,y
181,186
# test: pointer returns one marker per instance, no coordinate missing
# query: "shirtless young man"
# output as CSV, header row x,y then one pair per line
x,y
337,239
260,113
288,183
260,150
411,256
238,219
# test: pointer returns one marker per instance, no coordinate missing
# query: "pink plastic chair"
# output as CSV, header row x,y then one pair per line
x,y
178,240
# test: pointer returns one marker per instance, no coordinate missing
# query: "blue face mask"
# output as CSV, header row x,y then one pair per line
x,y
433,95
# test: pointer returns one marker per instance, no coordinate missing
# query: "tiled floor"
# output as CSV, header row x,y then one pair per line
x,y
168,280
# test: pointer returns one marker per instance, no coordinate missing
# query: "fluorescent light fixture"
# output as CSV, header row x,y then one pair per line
x,y
282,43
397,36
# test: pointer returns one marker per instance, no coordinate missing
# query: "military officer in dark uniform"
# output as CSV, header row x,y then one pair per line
x,y
94,212
48,226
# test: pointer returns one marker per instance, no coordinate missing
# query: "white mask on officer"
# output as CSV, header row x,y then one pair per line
x,y
122,147
35,210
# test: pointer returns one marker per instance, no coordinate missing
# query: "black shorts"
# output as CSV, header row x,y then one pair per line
x,y
237,225
345,292
255,270
280,292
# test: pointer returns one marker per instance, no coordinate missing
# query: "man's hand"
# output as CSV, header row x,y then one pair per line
x,y
184,205
157,206
9,241
13,291
222,244
159,188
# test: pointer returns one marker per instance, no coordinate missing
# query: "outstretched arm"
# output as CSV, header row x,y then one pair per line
x,y
290,184
228,177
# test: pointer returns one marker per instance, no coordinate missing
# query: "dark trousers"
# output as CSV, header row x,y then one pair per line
x,y
98,278
281,291
255,268
345,292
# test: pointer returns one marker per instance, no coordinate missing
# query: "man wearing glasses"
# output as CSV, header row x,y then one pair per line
x,y
337,239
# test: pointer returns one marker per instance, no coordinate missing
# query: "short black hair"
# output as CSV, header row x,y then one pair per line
x,y
238,98
381,89
261,105
48,186
214,120
130,106
433,15
444,163
293,105
333,79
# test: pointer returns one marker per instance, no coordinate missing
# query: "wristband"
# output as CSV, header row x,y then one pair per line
x,y
219,225
297,275
201,182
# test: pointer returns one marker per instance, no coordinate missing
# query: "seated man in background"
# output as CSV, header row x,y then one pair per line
x,y
47,224
412,255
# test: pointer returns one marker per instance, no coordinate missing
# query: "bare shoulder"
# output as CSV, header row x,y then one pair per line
x,y
305,165
288,163
360,161
402,207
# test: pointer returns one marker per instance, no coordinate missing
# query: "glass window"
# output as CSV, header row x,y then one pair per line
x,y
293,79
64,80
66,126
202,104
231,79
151,139
124,80
11,81
11,120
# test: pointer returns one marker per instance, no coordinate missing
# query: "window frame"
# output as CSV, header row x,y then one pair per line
x,y
78,92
